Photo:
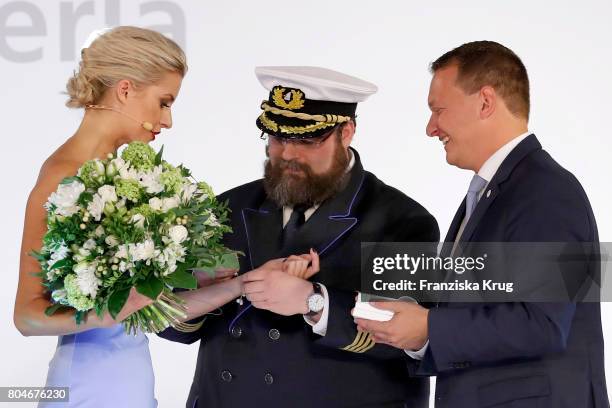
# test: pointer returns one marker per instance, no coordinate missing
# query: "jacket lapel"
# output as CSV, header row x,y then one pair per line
x,y
263,226
528,145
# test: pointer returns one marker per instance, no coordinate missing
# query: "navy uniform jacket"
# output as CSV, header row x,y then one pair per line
x,y
270,360
521,354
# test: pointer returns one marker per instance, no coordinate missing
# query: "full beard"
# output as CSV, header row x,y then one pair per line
x,y
307,188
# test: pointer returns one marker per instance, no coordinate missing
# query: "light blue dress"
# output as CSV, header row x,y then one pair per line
x,y
103,368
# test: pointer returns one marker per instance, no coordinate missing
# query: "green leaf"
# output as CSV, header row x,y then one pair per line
x,y
68,180
38,256
54,308
181,279
150,287
117,300
158,157
60,264
227,261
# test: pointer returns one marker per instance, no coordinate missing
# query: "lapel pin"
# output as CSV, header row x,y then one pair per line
x,y
488,193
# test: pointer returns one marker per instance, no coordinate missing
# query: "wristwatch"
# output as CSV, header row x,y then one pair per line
x,y
316,301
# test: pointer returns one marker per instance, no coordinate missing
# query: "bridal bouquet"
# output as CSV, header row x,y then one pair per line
x,y
130,221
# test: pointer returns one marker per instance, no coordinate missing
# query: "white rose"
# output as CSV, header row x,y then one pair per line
x,y
143,251
155,203
178,234
169,203
107,193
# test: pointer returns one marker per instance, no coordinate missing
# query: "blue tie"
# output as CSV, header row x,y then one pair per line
x,y
476,186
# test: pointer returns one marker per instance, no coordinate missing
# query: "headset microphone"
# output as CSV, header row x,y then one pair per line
x,y
148,126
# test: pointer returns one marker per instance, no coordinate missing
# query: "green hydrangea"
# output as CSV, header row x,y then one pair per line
x,y
74,296
93,173
206,189
171,178
140,155
128,189
144,209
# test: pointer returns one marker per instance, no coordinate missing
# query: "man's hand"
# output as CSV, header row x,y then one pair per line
x,y
407,330
272,289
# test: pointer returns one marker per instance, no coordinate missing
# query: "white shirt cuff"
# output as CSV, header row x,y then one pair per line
x,y
320,327
419,354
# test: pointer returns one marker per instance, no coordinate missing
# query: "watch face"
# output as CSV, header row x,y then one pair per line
x,y
316,302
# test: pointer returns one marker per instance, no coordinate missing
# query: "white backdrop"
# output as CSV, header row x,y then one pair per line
x,y
564,46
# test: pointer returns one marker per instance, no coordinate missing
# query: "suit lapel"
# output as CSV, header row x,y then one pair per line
x,y
326,225
263,226
525,147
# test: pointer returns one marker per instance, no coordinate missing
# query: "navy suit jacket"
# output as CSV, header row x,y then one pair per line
x,y
506,355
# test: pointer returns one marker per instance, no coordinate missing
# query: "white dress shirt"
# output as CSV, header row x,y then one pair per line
x,y
319,327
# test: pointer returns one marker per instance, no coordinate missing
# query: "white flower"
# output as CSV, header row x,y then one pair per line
x,y
108,193
96,207
86,278
127,172
65,198
99,232
58,253
111,241
178,234
169,203
155,203
187,192
89,244
122,252
150,180
59,296
81,254
212,221
138,220
142,251
124,266
105,195
115,166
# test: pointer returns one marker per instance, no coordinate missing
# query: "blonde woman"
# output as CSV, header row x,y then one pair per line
x,y
127,82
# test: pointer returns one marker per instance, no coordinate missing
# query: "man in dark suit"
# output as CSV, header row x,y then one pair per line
x,y
503,354
292,342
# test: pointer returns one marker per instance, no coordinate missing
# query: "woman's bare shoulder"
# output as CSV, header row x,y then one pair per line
x,y
52,172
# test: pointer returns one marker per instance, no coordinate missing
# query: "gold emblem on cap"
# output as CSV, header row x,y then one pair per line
x,y
296,100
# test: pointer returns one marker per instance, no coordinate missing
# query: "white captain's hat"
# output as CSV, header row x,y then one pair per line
x,y
306,102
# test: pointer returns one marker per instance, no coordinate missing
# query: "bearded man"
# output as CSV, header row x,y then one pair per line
x,y
293,342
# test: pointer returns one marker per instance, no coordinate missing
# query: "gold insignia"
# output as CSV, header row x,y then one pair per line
x,y
296,101
267,122
305,129
362,343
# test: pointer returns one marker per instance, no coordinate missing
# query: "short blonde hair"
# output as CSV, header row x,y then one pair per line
x,y
140,55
